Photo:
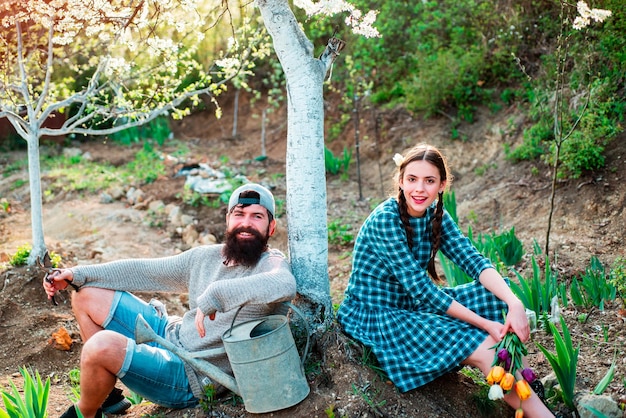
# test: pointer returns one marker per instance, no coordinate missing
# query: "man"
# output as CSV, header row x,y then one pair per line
x,y
219,278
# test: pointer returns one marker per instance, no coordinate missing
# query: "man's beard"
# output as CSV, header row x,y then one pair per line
x,y
245,252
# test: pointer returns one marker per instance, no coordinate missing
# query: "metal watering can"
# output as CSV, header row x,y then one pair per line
x,y
269,374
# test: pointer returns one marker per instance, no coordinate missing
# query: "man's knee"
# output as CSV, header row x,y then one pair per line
x,y
106,349
90,299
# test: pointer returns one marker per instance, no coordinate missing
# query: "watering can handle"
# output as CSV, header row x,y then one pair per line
x,y
305,353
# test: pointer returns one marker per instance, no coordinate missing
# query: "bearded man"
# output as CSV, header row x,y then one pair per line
x,y
242,272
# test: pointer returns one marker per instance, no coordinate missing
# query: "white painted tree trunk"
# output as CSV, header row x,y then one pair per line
x,y
36,212
305,169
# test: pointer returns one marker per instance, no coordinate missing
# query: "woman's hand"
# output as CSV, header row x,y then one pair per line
x,y
495,330
517,322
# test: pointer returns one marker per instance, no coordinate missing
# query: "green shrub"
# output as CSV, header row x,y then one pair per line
x,y
157,129
20,258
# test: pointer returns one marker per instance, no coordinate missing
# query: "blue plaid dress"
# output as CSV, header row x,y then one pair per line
x,y
392,305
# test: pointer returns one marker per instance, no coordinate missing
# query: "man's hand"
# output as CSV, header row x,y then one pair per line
x,y
200,321
57,279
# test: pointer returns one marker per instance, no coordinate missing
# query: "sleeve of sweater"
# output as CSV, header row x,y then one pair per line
x,y
386,230
165,274
460,250
269,282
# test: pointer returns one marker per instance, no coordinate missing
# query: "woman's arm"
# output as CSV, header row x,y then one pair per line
x,y
516,319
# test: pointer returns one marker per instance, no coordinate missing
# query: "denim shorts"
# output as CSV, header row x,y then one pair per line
x,y
148,370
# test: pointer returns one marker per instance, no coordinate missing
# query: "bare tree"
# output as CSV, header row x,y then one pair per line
x,y
103,66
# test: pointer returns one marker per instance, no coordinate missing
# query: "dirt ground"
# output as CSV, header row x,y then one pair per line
x,y
492,195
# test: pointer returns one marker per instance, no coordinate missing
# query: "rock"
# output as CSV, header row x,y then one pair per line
x,y
190,235
156,206
606,405
106,198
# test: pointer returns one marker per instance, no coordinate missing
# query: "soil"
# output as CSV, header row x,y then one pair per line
x,y
492,194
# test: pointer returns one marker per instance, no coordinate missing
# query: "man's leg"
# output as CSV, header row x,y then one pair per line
x,y
101,358
107,320
103,351
91,307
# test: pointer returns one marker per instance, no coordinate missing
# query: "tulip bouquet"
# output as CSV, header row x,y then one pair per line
x,y
507,363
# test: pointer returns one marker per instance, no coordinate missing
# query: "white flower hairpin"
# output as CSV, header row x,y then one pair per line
x,y
398,158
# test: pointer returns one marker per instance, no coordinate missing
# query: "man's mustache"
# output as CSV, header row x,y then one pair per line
x,y
248,230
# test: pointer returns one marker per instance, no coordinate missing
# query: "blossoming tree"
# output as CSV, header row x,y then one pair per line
x,y
111,65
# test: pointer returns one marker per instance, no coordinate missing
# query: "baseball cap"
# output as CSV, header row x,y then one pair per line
x,y
265,199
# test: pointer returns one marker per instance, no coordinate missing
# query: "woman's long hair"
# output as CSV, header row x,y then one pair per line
x,y
428,153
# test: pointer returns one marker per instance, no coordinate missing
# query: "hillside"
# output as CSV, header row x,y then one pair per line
x,y
492,195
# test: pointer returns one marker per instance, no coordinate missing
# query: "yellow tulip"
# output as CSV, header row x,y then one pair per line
x,y
507,381
495,374
519,413
522,388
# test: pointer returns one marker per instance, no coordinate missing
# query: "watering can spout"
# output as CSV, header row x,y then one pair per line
x,y
144,333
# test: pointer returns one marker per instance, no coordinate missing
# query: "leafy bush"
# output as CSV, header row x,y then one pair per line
x,y
20,258
157,129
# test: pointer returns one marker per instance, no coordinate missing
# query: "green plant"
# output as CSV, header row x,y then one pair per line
x,y
74,377
368,359
330,411
508,247
452,272
23,252
564,362
35,401
5,205
617,277
605,381
339,233
157,129
536,293
210,399
134,398
369,397
449,203
335,165
147,165
593,288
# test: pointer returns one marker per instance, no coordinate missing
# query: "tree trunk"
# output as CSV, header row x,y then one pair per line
x,y
36,205
305,169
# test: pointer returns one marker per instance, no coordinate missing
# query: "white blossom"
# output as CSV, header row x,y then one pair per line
x,y
398,158
586,15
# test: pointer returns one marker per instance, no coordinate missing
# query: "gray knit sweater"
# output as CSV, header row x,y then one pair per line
x,y
212,287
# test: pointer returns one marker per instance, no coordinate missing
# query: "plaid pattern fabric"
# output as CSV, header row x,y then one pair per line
x,y
392,305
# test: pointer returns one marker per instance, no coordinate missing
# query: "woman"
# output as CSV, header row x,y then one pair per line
x,y
394,303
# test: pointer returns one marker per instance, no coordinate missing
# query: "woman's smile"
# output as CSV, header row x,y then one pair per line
x,y
421,185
